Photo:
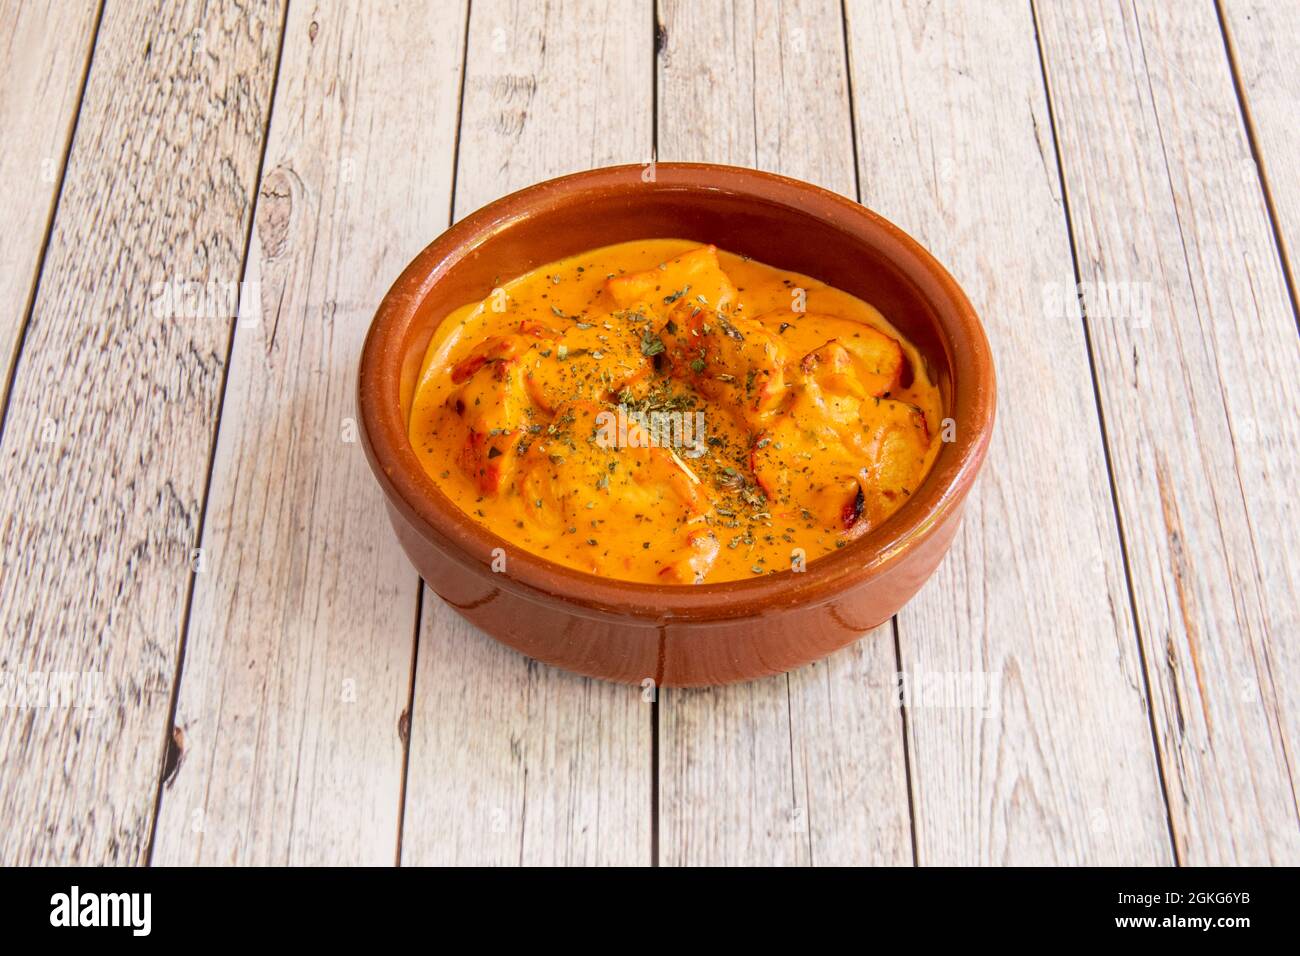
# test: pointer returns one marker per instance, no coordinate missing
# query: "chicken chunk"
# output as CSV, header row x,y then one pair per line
x,y
695,274
585,484
838,452
491,409
726,357
589,361
879,363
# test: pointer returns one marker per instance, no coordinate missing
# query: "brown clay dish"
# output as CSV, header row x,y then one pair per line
x,y
677,635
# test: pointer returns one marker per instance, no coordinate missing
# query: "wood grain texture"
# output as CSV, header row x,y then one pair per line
x,y
1265,38
44,53
1040,751
552,88
298,659
1202,401
288,741
512,761
806,768
110,427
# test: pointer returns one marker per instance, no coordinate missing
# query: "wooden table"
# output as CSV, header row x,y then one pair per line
x,y
190,531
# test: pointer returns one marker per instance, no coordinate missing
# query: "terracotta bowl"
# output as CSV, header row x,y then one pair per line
x,y
677,635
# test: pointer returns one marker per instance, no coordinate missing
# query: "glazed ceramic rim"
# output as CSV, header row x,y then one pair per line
x,y
434,516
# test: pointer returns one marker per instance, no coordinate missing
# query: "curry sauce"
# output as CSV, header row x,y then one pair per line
x,y
665,412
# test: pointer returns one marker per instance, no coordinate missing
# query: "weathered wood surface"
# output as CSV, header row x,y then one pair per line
x,y
1118,614
44,54
298,661
1030,607
112,415
1264,37
511,761
1199,373
809,767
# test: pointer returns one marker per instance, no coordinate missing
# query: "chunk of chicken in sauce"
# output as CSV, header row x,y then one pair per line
x,y
840,450
588,488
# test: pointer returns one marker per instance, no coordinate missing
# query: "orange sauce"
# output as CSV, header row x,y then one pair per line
x,y
665,412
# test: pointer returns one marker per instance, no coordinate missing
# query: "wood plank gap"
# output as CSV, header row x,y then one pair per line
x,y
455,149
794,786
1105,438
656,48
857,194
907,750
1248,123
21,340
212,452
410,710
659,41
654,780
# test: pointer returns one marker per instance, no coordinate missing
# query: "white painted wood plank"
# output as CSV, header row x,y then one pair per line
x,y
298,661
1048,756
1265,40
512,761
1201,391
44,52
106,447
809,767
